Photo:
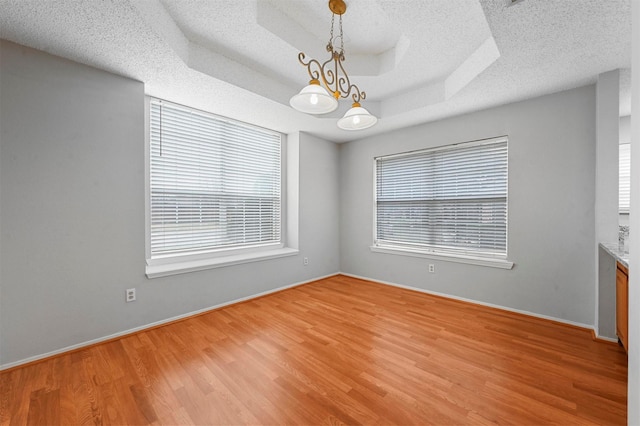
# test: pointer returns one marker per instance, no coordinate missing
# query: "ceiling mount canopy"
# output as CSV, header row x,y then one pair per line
x,y
338,7
330,82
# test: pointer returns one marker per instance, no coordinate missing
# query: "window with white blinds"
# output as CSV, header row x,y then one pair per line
x,y
214,184
624,183
445,200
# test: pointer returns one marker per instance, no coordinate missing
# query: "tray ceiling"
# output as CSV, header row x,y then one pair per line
x,y
417,60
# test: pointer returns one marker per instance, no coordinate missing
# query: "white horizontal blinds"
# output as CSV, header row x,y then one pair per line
x,y
451,199
214,184
624,178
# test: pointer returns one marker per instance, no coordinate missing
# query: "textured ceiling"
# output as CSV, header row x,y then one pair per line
x,y
417,60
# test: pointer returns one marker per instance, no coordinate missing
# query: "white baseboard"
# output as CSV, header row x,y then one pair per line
x,y
153,324
606,339
477,302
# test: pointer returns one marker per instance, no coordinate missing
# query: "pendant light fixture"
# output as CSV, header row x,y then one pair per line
x,y
329,82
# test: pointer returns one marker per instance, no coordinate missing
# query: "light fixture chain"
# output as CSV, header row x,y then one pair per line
x,y
330,45
341,38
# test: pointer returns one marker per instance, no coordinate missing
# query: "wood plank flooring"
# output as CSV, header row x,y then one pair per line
x,y
336,351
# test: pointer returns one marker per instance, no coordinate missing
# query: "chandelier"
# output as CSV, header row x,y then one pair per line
x,y
329,82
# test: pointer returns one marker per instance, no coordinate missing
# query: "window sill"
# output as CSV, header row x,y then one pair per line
x,y
448,257
183,267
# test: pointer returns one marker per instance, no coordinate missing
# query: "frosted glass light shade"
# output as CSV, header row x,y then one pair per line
x,y
314,99
357,118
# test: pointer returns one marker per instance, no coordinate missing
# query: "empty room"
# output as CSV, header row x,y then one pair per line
x,y
319,212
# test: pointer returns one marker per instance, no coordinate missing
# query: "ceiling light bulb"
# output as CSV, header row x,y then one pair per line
x,y
357,118
314,99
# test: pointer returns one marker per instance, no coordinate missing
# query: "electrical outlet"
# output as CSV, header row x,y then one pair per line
x,y
432,268
305,261
130,295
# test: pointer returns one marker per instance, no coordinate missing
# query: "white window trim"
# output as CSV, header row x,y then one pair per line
x,y
447,257
160,266
155,268
498,261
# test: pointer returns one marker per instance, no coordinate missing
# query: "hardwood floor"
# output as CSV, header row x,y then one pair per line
x,y
339,350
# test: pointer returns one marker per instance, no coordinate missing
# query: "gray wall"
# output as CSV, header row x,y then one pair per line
x,y
551,207
606,324
72,212
606,192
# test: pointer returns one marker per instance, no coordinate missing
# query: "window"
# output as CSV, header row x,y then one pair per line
x,y
449,201
214,185
624,178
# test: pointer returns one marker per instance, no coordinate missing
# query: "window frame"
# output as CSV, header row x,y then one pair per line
x,y
623,208
178,263
470,256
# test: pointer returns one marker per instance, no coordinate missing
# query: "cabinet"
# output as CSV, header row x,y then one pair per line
x,y
622,304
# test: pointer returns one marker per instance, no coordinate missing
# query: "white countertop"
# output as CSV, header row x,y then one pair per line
x,y
618,255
